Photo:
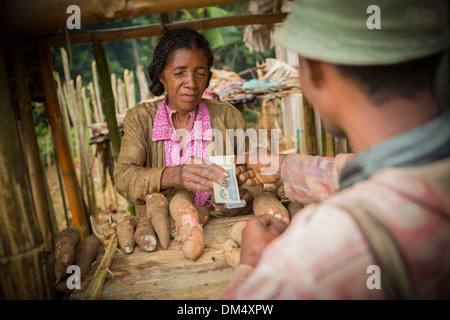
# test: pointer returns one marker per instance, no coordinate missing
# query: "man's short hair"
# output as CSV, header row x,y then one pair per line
x,y
406,79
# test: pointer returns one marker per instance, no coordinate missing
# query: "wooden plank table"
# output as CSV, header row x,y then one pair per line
x,y
168,274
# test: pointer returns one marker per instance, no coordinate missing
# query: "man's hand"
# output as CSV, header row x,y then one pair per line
x,y
244,194
261,166
257,234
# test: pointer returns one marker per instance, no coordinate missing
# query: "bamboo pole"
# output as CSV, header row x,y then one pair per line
x,y
98,100
94,102
63,104
340,145
143,84
95,286
47,146
61,187
121,96
62,143
67,94
23,266
310,127
128,77
107,96
114,88
144,91
90,190
103,183
86,107
327,143
156,29
35,170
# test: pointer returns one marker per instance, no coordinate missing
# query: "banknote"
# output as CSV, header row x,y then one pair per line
x,y
229,194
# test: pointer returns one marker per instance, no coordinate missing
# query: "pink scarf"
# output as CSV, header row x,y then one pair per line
x,y
195,140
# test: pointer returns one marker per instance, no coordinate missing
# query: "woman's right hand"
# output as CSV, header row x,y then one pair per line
x,y
198,174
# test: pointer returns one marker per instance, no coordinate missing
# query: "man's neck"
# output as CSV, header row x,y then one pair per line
x,y
371,124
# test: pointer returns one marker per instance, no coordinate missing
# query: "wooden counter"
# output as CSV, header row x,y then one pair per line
x,y
168,274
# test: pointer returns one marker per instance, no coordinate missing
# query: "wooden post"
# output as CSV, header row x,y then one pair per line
x,y
310,127
23,264
52,107
108,103
107,96
36,173
327,143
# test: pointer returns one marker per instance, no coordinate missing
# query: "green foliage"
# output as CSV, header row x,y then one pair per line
x,y
217,37
42,127
250,117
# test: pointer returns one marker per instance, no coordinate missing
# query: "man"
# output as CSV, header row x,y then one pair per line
x,y
379,223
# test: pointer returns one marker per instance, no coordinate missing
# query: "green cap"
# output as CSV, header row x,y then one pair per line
x,y
366,32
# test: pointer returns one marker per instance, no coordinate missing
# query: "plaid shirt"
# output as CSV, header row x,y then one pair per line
x,y
323,254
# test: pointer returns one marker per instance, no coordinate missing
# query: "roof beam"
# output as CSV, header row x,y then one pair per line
x,y
25,16
157,29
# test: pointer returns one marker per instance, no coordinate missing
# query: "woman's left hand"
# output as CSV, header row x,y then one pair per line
x,y
244,194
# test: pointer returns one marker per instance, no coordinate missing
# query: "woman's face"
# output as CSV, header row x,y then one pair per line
x,y
184,78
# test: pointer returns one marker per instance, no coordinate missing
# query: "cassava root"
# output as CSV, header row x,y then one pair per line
x,y
158,211
189,231
65,244
145,233
268,203
125,233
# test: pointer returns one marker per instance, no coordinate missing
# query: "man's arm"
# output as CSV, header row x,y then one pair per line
x,y
307,179
257,234
311,179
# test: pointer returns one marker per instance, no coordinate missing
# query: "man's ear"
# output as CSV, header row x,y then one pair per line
x,y
313,71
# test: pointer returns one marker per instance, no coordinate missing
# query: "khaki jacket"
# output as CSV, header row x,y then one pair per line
x,y
141,161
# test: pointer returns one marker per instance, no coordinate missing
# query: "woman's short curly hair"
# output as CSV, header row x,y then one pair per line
x,y
171,41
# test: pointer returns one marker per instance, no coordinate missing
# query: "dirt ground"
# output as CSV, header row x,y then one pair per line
x,y
108,200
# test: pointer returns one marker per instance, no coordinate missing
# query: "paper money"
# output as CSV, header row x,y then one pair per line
x,y
230,193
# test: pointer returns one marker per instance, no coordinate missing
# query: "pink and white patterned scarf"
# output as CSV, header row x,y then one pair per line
x,y
195,139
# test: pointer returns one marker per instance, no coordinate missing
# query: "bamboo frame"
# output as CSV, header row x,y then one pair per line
x,y
23,267
33,157
54,114
157,29
75,107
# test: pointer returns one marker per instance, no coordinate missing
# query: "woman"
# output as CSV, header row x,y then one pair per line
x,y
163,139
